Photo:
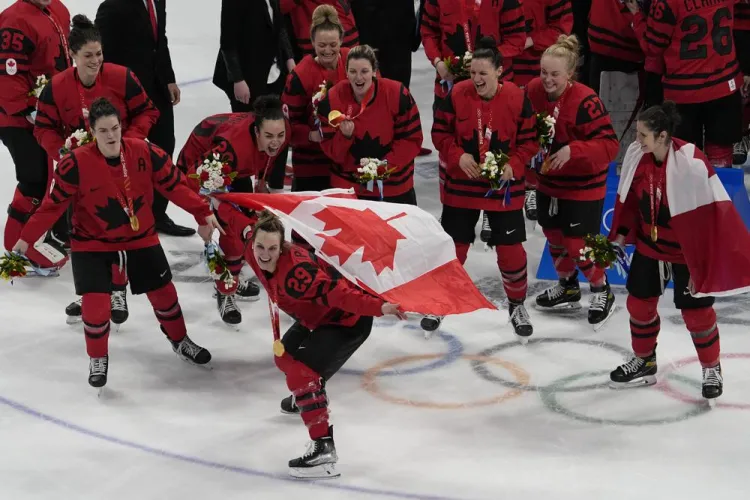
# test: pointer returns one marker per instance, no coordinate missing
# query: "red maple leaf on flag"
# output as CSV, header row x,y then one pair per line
x,y
358,229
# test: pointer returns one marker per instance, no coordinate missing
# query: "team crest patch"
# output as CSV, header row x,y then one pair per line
x,y
11,66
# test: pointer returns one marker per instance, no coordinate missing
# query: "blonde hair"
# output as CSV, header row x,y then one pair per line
x,y
566,47
325,18
363,52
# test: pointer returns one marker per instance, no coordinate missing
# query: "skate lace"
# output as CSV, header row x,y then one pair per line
x,y
555,292
228,304
530,200
118,300
633,365
598,301
98,366
520,316
712,376
242,286
740,148
189,348
486,223
312,448
79,301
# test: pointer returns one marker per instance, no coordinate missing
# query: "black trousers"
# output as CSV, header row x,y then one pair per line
x,y
29,159
328,347
395,62
275,88
162,134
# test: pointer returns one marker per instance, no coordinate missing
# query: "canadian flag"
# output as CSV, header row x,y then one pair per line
x,y
398,252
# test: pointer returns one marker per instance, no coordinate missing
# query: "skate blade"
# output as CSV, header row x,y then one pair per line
x,y
253,298
284,412
562,308
641,382
73,320
522,340
235,328
598,326
429,333
711,402
323,471
206,366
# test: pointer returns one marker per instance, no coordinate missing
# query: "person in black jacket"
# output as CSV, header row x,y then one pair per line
x,y
134,35
255,54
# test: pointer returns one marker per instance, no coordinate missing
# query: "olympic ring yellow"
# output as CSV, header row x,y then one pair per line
x,y
369,382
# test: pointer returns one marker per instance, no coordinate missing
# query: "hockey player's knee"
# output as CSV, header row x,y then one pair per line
x,y
642,310
699,320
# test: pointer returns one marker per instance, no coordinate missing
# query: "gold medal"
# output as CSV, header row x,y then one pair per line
x,y
134,223
278,349
545,166
654,233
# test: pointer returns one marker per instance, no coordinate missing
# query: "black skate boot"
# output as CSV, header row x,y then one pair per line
x,y
247,290
602,305
119,302
228,310
98,371
637,372
190,351
74,312
319,462
566,294
529,205
289,406
430,323
486,231
713,384
521,322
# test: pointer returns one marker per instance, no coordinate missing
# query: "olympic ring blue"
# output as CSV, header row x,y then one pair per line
x,y
455,351
246,471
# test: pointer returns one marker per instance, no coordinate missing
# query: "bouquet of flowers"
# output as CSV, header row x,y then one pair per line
x,y
492,169
373,171
217,265
41,82
320,95
545,133
213,175
76,139
459,66
13,265
604,254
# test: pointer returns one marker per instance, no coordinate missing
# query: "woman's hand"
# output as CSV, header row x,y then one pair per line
x,y
559,159
393,309
444,72
347,128
21,247
507,173
314,136
206,231
242,92
469,166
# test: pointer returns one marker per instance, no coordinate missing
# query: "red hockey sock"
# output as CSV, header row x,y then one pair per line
x,y
95,309
719,155
644,325
19,211
594,274
462,251
701,323
168,311
309,393
234,264
564,265
119,277
530,179
511,260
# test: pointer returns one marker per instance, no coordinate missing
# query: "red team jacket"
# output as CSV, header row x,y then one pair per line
x,y
308,159
95,186
33,42
742,15
694,41
546,20
301,11
507,119
388,129
611,33
60,109
504,21
583,124
201,139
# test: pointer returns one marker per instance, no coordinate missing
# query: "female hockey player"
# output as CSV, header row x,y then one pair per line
x,y
301,11
668,190
477,117
572,180
110,185
380,120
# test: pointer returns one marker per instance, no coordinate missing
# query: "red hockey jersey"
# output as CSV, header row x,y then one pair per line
x,y
583,124
95,186
308,160
611,32
202,137
505,123
301,11
62,103
742,15
33,42
546,20
504,21
695,41
387,128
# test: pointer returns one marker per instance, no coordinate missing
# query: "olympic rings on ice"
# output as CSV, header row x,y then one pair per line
x,y
369,382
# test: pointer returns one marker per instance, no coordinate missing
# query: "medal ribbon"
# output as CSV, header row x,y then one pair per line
x,y
127,202
63,38
484,145
655,201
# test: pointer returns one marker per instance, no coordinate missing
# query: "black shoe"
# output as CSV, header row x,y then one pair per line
x,y
486,233
98,368
318,462
431,323
167,226
74,312
119,305
190,351
602,304
289,406
520,320
565,294
529,204
247,290
637,372
713,382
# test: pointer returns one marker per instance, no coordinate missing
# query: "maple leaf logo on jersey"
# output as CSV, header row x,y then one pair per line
x,y
379,242
456,41
113,214
471,146
367,147
61,61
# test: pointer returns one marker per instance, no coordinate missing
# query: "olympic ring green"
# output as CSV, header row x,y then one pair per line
x,y
481,370
549,398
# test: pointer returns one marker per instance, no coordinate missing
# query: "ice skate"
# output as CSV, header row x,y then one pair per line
x,y
246,290
289,406
521,322
430,324
713,384
119,302
191,352
318,462
602,306
73,312
228,310
486,233
98,368
637,372
529,204
565,295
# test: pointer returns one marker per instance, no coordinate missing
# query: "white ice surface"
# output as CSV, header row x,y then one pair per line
x,y
170,430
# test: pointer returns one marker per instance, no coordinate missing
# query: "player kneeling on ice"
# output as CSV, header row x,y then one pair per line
x,y
668,197
333,318
110,185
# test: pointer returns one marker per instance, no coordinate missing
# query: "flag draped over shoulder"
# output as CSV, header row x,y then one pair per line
x,y
398,252
710,231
